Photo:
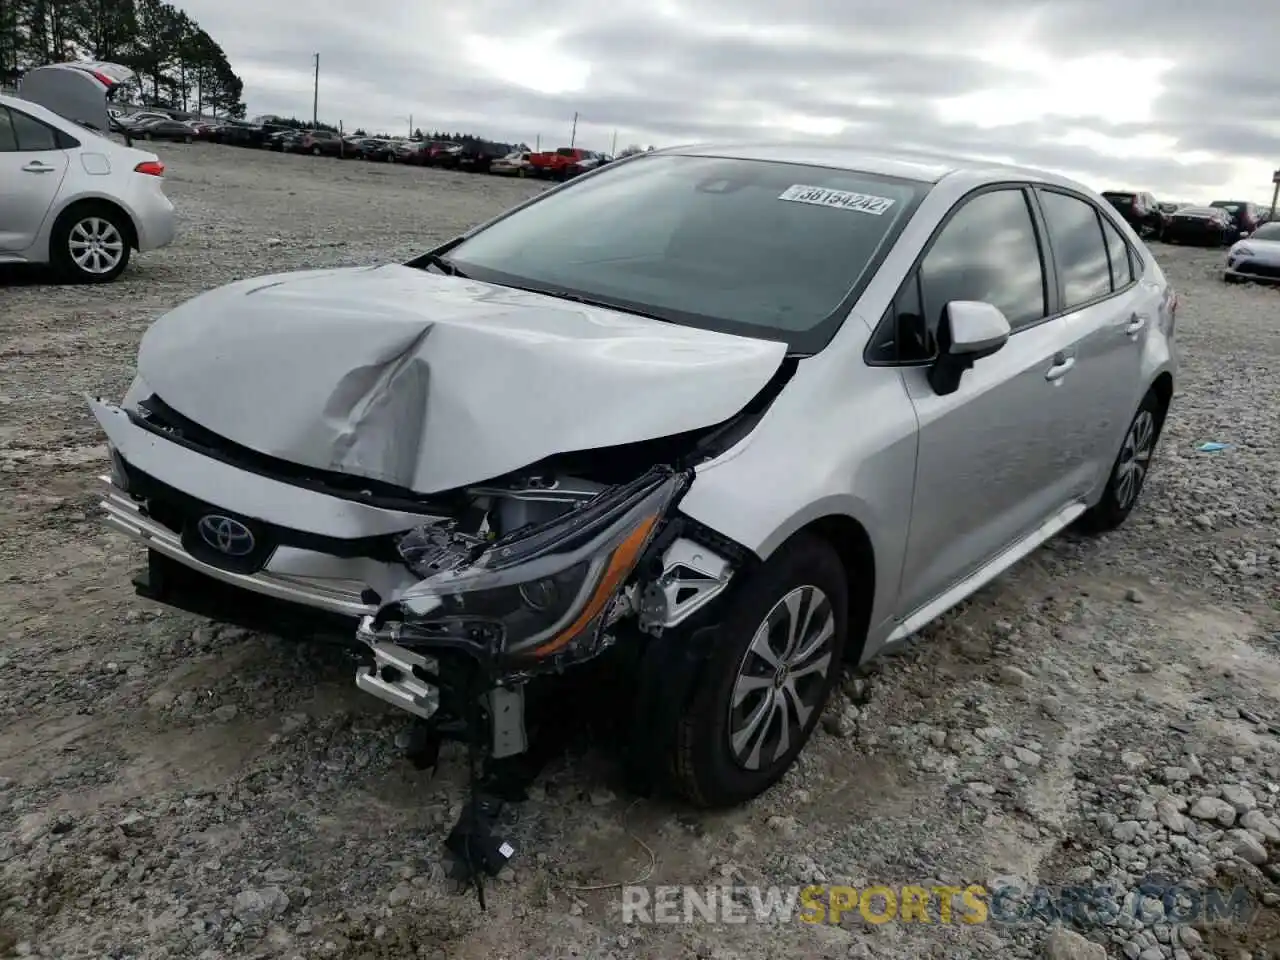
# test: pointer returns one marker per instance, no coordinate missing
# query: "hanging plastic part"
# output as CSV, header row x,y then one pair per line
x,y
472,841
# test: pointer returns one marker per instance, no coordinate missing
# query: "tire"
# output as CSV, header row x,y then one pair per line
x,y
1133,461
315,151
705,768
79,226
186,140
147,136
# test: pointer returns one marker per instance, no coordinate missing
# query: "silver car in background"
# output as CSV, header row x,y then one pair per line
x,y
1255,257
69,196
743,412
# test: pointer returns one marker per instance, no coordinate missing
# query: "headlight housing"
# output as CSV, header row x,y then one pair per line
x,y
543,590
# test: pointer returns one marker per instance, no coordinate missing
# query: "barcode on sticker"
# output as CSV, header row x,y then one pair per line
x,y
506,850
840,199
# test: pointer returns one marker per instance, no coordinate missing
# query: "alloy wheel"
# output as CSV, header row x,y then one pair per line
x,y
96,245
781,678
1135,458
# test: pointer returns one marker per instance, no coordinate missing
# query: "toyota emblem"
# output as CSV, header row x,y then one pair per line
x,y
225,535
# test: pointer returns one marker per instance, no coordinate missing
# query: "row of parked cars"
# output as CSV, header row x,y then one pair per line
x,y
267,133
1243,226
1219,224
478,156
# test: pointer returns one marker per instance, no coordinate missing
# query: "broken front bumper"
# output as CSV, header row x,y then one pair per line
x,y
332,595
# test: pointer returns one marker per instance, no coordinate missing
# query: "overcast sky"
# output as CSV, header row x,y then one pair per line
x,y
1181,97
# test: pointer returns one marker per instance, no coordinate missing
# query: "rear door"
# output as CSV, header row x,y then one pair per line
x,y
991,465
1110,312
32,168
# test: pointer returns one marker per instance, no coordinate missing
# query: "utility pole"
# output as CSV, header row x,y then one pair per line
x,y
411,126
573,136
315,95
1275,195
537,144
613,150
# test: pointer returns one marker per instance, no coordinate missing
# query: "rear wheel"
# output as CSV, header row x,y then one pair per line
x,y
315,151
1129,472
91,244
762,691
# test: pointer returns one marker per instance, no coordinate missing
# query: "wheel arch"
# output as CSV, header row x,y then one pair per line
x,y
92,200
1162,386
852,544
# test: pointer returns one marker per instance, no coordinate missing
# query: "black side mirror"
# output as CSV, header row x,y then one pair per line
x,y
969,330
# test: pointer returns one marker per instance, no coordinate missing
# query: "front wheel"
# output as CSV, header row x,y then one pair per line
x,y
763,689
315,151
90,244
1129,472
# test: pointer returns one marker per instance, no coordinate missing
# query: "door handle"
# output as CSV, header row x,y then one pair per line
x,y
1135,324
35,166
1060,367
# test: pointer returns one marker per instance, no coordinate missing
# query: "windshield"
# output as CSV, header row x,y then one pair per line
x,y
761,249
1268,231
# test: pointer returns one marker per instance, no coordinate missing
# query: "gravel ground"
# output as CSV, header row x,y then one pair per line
x,y
174,789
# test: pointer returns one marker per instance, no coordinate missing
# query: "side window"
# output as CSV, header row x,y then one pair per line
x,y
987,251
1118,254
1078,248
32,134
8,139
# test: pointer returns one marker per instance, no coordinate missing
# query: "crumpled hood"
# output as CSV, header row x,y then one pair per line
x,y
431,382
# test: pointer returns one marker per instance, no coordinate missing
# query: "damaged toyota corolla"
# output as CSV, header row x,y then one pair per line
x,y
744,412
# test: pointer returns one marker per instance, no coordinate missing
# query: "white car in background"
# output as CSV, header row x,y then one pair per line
x,y
514,164
73,199
1255,257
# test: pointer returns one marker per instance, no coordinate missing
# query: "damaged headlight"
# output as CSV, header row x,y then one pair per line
x,y
546,589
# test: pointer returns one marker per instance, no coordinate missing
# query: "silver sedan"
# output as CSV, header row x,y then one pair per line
x,y
73,199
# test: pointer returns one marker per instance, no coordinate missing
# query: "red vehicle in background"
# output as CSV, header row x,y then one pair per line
x,y
556,164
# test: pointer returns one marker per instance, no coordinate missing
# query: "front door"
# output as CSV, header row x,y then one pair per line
x,y
991,463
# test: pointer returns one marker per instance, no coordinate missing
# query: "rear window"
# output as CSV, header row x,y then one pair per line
x,y
1226,205
567,152
770,250
1120,199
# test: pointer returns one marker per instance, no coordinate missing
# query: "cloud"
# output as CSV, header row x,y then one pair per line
x,y
1176,98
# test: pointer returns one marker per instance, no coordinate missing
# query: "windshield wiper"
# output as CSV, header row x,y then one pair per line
x,y
591,301
444,265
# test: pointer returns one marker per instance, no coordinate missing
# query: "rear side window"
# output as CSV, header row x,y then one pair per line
x,y
1078,248
987,251
8,138
1118,254
30,134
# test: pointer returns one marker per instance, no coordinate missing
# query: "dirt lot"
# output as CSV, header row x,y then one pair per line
x,y
171,789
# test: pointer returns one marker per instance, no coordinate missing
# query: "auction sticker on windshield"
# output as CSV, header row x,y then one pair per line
x,y
841,199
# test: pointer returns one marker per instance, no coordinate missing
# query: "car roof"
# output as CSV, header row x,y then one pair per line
x,y
918,165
